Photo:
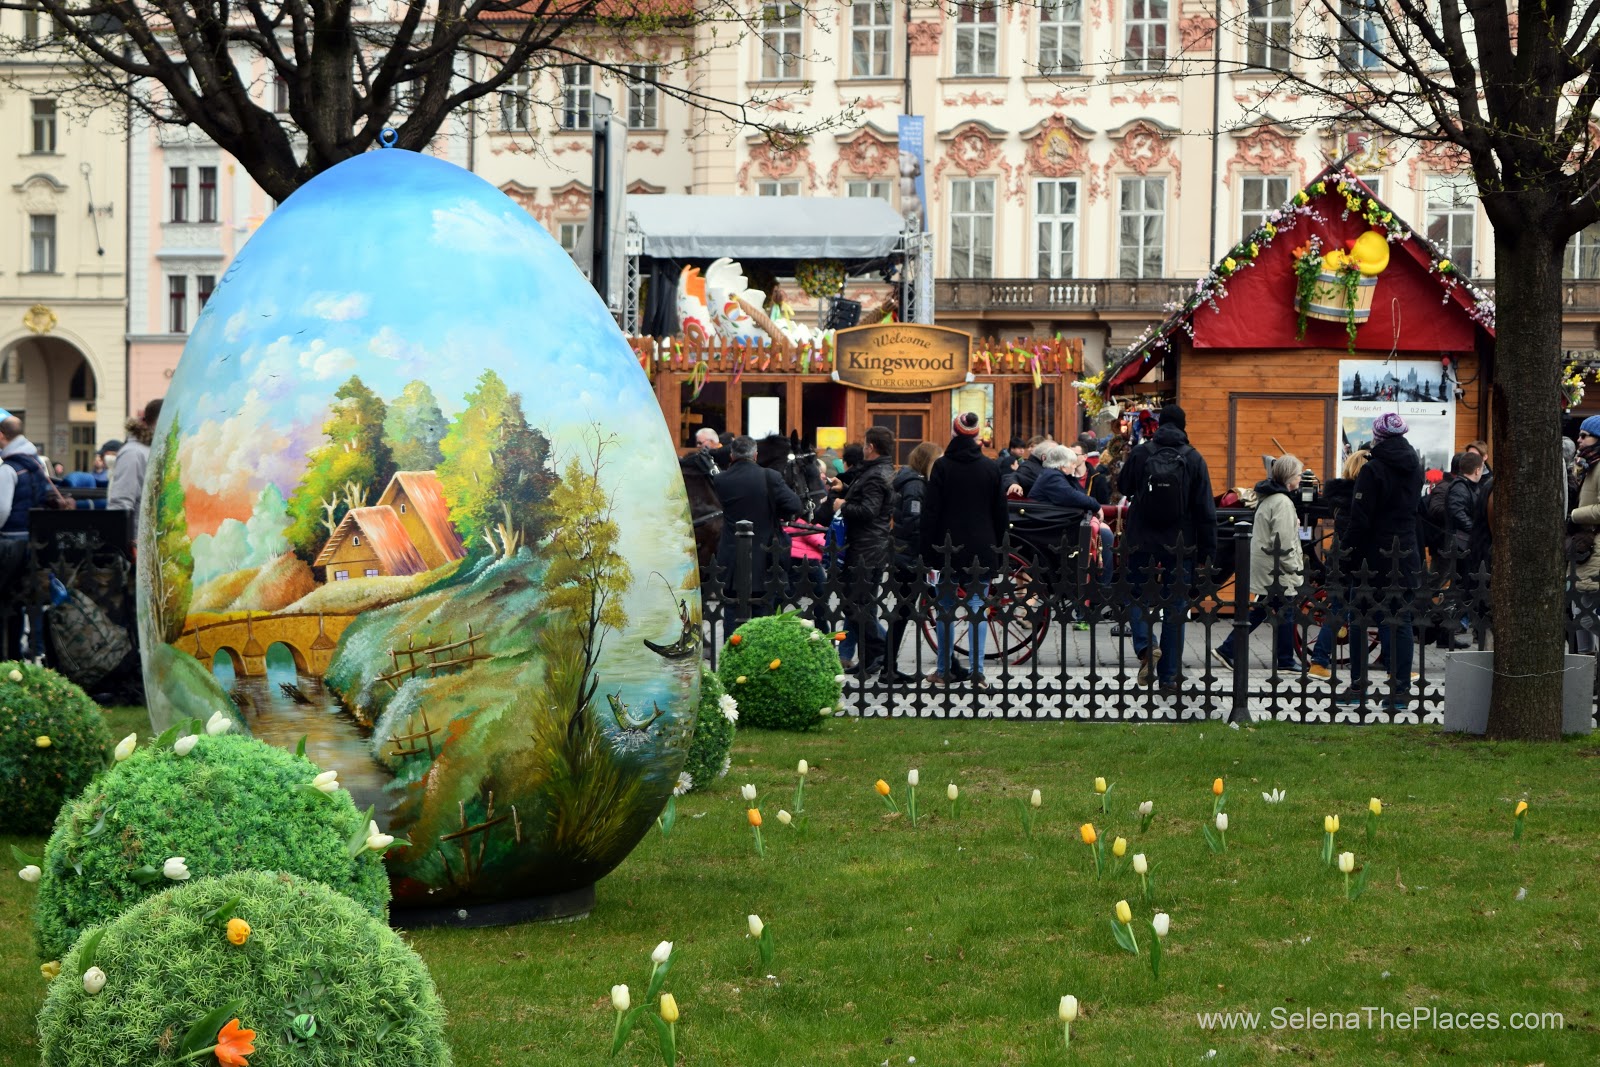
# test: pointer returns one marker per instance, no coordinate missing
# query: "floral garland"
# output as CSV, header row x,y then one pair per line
x,y
820,277
1572,383
1211,287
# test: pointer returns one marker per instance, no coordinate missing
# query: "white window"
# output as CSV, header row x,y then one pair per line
x,y
780,41
44,127
977,39
570,234
1061,37
1144,35
577,96
972,228
644,108
402,507
30,24
356,540
371,572
871,38
516,103
280,94
177,303
1267,34
1141,231
341,576
1261,196
1583,254
1451,218
1055,218
778,188
208,194
867,188
42,244
1358,34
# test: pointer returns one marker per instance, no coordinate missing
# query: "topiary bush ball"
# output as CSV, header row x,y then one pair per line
x,y
230,803
783,672
53,739
713,735
313,975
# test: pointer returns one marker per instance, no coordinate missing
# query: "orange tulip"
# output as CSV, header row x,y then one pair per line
x,y
754,815
238,931
774,664
233,1044
882,787
1089,836
1216,787
736,639
840,636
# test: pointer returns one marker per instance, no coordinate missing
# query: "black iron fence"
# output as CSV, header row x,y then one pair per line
x,y
1065,612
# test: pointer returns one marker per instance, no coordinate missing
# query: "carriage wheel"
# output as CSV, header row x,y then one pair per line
x,y
1017,618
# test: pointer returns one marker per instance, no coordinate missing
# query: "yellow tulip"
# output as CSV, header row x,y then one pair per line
x,y
1522,807
1375,806
50,970
1089,836
754,815
882,787
42,741
1330,824
1119,847
1099,785
1124,913
669,1008
774,664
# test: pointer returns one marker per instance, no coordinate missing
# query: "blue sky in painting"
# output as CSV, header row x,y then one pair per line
x,y
395,266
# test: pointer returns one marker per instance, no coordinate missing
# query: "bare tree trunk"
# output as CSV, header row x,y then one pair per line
x,y
1529,569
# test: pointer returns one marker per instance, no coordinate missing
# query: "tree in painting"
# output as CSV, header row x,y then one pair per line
x,y
348,471
495,471
173,574
413,428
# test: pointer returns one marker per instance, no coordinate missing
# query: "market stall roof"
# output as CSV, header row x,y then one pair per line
x,y
1247,301
766,227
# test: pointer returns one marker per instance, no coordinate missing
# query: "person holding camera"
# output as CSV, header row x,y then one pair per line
x,y
1277,562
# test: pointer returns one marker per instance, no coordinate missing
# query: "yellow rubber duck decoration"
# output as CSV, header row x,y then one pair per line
x,y
1370,253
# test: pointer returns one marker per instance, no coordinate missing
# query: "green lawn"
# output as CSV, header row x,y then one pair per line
x,y
953,942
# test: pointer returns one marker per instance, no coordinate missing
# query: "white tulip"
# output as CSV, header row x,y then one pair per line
x,y
756,926
911,778
1347,862
784,817
619,998
125,747
1069,1009
802,768
1036,800
185,745
662,953
218,724
839,679
1161,922
1222,821
377,841
951,791
15,675
94,980
747,791
327,781
30,873
1147,807
176,869
1140,864
1274,797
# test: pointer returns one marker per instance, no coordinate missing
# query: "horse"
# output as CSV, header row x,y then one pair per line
x,y
798,468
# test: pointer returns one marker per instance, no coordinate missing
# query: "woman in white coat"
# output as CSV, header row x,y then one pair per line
x,y
1277,562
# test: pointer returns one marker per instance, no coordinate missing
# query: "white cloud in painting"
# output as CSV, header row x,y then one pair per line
x,y
321,362
472,228
230,456
338,307
236,324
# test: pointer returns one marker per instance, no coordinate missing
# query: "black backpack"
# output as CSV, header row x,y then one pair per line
x,y
1162,499
1436,516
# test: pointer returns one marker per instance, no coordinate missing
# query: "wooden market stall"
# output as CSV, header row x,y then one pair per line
x,y
1307,330
1024,387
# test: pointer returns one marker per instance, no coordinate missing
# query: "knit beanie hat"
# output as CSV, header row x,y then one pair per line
x,y
966,424
1389,424
1591,425
1171,415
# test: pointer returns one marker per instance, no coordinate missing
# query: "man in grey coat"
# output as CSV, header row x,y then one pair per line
x,y
127,475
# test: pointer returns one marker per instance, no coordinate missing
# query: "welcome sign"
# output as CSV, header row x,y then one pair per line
x,y
899,357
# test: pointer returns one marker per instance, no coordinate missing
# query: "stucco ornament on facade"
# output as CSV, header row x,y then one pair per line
x,y
865,155
1441,157
924,37
39,319
1195,32
1144,147
1055,149
1265,151
778,162
972,149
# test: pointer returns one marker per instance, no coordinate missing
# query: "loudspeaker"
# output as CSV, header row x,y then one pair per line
x,y
843,314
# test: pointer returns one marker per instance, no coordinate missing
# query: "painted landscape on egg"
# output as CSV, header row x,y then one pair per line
x,y
449,551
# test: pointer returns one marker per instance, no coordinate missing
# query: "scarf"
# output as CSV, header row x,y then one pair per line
x,y
1585,459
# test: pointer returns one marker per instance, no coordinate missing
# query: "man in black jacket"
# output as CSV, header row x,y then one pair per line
x,y
1383,537
1171,525
751,492
868,508
965,503
1019,482
1466,507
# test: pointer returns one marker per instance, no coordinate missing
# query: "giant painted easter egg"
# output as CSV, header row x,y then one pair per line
x,y
411,499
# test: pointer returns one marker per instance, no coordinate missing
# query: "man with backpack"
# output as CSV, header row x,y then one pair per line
x,y
24,485
1171,526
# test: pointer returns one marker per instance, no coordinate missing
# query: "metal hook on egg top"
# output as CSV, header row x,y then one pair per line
x,y
388,137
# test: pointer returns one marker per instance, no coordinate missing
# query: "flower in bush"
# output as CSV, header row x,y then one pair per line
x,y
218,724
164,979
238,931
30,873
125,747
37,703
42,741
327,781
783,677
94,980
185,745
233,804
51,971
714,729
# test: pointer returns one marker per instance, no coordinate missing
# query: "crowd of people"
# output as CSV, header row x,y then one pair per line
x,y
942,518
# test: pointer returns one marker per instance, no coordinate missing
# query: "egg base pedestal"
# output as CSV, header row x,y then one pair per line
x,y
570,906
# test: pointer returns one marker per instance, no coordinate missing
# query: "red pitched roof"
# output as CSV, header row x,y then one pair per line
x,y
385,536
427,496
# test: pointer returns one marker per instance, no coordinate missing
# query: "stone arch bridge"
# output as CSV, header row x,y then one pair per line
x,y
310,637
